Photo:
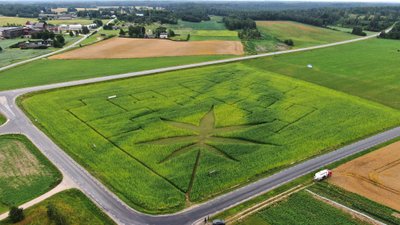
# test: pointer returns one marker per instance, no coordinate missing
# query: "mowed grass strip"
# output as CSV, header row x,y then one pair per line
x,y
205,35
24,172
72,205
300,208
164,142
366,69
54,71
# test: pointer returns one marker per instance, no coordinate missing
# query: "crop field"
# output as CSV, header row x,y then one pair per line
x,y
274,32
303,35
46,71
215,23
300,208
72,204
374,176
163,145
141,48
363,69
24,172
378,211
203,35
22,20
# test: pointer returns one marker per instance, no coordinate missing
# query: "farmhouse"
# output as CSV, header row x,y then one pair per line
x,y
164,36
39,44
11,32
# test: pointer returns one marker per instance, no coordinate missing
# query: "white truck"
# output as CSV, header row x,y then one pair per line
x,y
323,174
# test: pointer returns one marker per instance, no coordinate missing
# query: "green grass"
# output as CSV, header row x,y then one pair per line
x,y
24,172
215,23
357,202
47,71
300,208
349,30
365,69
205,35
275,32
99,36
2,119
13,55
72,205
247,123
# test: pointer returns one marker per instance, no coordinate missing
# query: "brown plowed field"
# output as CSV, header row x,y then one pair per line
x,y
375,176
141,48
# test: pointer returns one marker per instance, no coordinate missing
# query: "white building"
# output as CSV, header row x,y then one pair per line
x,y
72,27
164,36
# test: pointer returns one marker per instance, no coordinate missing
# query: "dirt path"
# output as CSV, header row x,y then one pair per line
x,y
142,48
375,176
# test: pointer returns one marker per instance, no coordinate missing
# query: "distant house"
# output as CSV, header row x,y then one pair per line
x,y
92,26
11,32
48,16
40,26
164,36
139,14
66,17
39,44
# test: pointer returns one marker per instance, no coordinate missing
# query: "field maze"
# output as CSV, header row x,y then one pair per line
x,y
163,146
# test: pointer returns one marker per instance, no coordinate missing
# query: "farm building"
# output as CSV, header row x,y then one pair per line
x,y
11,32
39,44
164,36
72,27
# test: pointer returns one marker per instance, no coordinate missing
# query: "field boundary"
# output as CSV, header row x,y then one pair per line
x,y
345,208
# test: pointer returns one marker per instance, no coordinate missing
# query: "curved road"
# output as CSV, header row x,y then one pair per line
x,y
18,122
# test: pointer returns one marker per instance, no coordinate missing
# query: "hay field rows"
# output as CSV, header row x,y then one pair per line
x,y
374,176
207,131
24,172
302,209
115,48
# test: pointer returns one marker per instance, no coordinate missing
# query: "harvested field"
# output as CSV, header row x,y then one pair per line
x,y
141,48
374,176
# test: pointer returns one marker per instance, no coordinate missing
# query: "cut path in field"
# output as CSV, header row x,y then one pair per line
x,y
114,207
141,48
375,176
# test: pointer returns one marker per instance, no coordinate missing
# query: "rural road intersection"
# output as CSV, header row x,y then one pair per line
x,y
19,123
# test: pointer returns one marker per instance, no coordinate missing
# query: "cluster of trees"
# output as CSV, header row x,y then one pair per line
x,y
21,10
358,31
374,18
249,34
16,214
149,16
393,34
140,32
136,31
55,215
108,26
237,23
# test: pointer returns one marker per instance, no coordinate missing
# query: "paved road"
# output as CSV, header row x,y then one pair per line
x,y
73,45
19,123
